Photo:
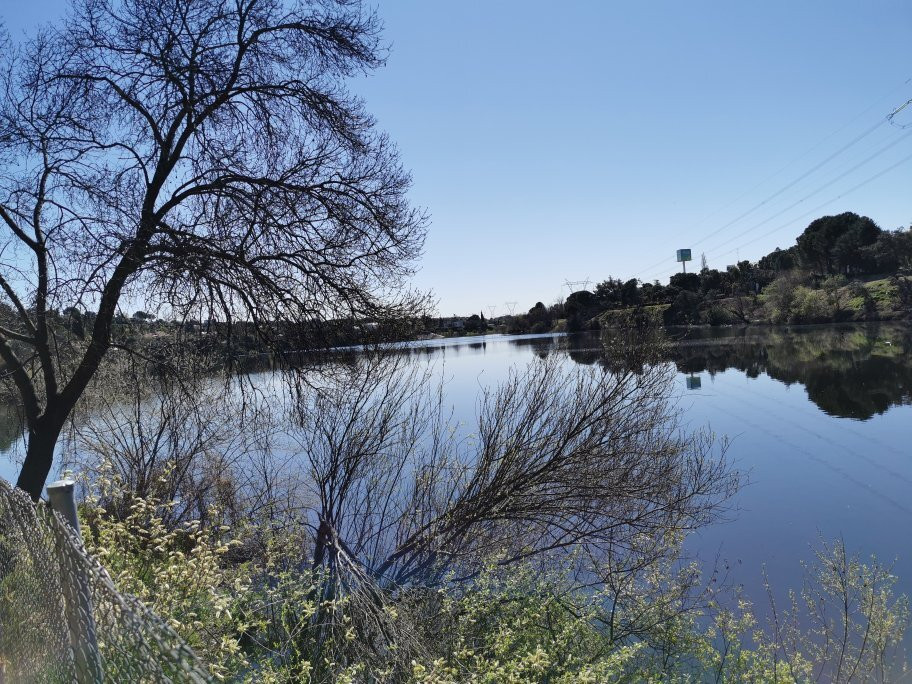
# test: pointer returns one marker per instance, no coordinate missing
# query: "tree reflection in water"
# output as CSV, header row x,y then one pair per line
x,y
848,371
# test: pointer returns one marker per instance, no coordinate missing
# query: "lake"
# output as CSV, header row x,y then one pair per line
x,y
819,419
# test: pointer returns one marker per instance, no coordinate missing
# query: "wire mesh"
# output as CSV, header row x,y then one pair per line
x,y
61,617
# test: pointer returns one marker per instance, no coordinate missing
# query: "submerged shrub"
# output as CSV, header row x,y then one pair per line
x,y
544,549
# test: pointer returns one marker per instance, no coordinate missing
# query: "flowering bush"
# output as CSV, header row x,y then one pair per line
x,y
276,619
178,572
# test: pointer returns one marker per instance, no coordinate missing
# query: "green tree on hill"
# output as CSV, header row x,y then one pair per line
x,y
779,260
686,281
832,244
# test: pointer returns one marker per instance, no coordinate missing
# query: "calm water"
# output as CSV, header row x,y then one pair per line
x,y
820,422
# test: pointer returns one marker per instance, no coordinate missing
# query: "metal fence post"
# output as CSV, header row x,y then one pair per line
x,y
77,595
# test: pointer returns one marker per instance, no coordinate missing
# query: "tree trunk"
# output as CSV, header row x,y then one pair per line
x,y
39,455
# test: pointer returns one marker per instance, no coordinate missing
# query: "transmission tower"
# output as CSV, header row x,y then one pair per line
x,y
511,306
577,285
492,308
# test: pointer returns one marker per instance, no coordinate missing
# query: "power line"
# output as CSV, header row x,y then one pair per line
x,y
793,183
788,186
820,189
823,205
713,252
575,285
897,111
874,105
813,169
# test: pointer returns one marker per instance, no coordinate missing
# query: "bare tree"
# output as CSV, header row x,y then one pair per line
x,y
198,443
562,460
189,156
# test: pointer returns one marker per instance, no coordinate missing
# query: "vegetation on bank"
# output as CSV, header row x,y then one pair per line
x,y
842,268
264,619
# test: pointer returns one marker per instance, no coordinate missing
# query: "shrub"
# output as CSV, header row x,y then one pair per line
x,y
263,621
780,296
836,295
903,292
684,310
177,572
809,306
526,626
718,316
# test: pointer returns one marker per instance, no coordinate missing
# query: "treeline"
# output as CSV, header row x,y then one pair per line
x,y
229,340
828,274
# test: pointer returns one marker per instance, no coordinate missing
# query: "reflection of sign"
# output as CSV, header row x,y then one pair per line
x,y
683,255
693,382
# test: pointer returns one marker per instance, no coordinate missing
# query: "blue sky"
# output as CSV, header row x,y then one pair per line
x,y
591,139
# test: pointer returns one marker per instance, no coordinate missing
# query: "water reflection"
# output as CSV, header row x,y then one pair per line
x,y
847,371
10,426
540,345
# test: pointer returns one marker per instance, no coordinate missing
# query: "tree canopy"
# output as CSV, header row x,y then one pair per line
x,y
202,157
832,244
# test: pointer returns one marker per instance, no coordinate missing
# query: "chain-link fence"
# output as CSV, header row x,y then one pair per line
x,y
61,617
